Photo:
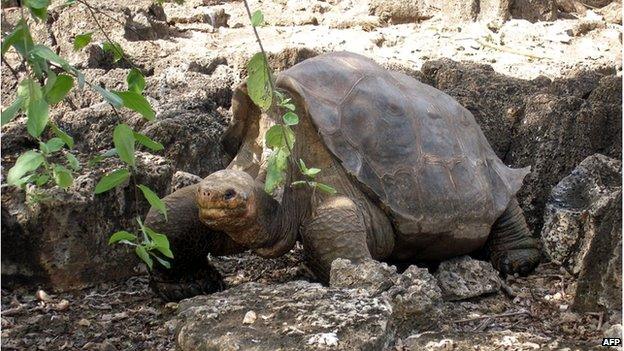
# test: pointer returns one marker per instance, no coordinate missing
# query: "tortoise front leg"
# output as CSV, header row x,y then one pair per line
x,y
511,247
335,230
191,242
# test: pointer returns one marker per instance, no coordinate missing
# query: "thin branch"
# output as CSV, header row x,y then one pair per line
x,y
272,86
97,22
101,12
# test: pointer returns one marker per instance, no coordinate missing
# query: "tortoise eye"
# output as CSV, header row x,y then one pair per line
x,y
229,194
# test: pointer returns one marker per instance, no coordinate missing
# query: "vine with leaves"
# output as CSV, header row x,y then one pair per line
x,y
280,138
48,80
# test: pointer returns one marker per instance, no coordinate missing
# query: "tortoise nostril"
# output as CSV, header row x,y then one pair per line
x,y
229,194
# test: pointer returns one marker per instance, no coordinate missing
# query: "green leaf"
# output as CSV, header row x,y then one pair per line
x,y
142,253
299,182
123,139
29,89
164,263
111,180
72,161
62,176
154,200
37,4
67,139
325,188
147,142
20,39
121,235
54,144
109,153
276,168
42,13
82,40
136,81
257,18
47,53
42,179
15,37
290,118
38,114
258,86
59,89
136,102
26,162
50,80
111,98
113,49
277,135
312,172
10,112
160,241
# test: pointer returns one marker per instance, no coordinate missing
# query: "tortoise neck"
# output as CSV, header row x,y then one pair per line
x,y
280,222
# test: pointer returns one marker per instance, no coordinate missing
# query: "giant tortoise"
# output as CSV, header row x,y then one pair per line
x,y
416,180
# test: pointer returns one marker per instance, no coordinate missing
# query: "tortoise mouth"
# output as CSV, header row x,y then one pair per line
x,y
217,213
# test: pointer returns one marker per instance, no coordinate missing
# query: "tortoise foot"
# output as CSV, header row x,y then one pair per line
x,y
170,287
520,261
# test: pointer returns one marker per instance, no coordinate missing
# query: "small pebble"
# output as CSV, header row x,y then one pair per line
x,y
42,296
250,317
62,306
84,322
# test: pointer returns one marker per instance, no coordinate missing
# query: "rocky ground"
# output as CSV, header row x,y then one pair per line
x,y
529,313
543,79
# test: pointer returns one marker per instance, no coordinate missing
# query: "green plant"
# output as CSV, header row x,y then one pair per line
x,y
280,138
48,80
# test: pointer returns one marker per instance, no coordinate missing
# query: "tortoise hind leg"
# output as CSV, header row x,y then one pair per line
x,y
510,246
191,242
335,230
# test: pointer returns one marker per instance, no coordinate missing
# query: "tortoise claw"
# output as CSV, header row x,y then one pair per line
x,y
520,261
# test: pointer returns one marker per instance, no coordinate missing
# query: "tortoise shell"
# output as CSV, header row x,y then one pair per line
x,y
414,147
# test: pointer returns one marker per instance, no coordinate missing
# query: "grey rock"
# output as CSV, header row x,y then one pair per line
x,y
572,208
582,231
614,331
612,13
534,10
372,276
60,238
415,298
463,278
398,11
296,315
182,179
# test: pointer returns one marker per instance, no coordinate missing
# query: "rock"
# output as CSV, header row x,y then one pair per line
x,y
612,13
558,130
534,10
60,238
582,231
415,300
295,315
463,278
614,331
191,135
182,179
597,3
583,27
571,6
400,11
572,207
372,276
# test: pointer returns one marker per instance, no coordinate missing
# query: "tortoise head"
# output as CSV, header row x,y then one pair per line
x,y
231,201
